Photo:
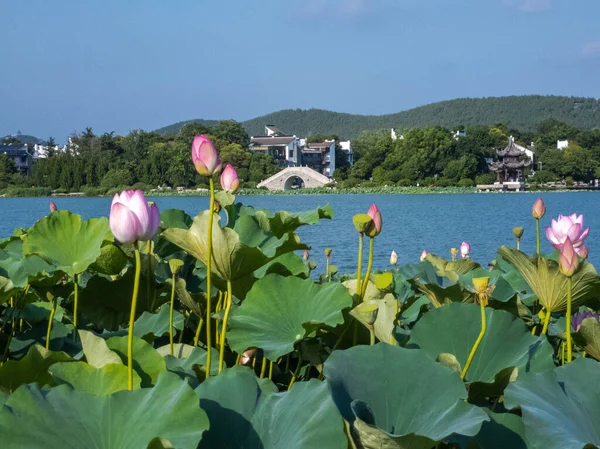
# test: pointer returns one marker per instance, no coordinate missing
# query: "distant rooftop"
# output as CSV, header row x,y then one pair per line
x,y
266,140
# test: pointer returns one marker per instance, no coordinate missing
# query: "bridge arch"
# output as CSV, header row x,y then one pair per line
x,y
293,182
295,177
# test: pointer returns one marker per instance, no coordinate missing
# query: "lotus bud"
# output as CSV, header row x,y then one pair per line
x,y
577,319
53,207
483,289
306,256
327,253
247,356
376,224
465,249
132,218
518,231
175,265
567,227
205,157
568,260
393,258
539,209
423,255
583,252
312,265
229,179
362,223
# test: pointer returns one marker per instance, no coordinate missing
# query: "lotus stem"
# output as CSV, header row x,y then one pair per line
x,y
296,372
12,327
149,267
228,301
479,338
537,235
270,369
263,367
327,267
546,321
568,324
238,358
75,306
360,257
562,352
134,297
50,320
519,244
211,212
372,333
171,314
369,268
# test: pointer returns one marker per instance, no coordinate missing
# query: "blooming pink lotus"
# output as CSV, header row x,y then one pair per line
x,y
568,261
465,249
229,179
132,218
205,157
377,220
567,227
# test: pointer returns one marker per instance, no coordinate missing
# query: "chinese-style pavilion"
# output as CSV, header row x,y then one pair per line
x,y
512,161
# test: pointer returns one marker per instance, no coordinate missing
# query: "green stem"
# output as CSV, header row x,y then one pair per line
x,y
360,258
479,338
372,332
369,268
568,324
184,326
134,297
296,372
270,369
149,268
327,267
546,321
171,314
263,367
519,244
228,301
537,235
50,320
75,306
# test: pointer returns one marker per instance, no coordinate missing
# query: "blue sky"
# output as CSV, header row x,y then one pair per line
x,y
119,65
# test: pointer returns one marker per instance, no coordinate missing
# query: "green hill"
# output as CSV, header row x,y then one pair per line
x,y
24,138
521,112
175,127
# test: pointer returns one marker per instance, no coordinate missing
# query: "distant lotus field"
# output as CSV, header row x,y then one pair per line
x,y
149,328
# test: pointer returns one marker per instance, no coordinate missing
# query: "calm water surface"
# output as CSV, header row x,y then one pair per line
x,y
410,222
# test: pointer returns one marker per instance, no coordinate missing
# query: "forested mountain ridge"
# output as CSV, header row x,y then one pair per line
x,y
520,112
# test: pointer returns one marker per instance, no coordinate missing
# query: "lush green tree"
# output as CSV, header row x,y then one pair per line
x,y
232,132
189,131
465,167
7,168
261,167
116,177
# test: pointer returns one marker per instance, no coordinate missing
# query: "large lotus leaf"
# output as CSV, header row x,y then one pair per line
x,y
111,260
503,431
279,312
96,350
175,218
560,408
155,325
452,270
549,285
425,279
502,290
146,361
186,360
40,311
31,368
67,242
19,269
107,303
6,289
245,414
231,259
99,381
289,264
69,419
22,343
588,337
507,342
516,280
399,398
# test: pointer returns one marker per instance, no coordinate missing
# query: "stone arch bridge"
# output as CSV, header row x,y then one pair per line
x,y
295,177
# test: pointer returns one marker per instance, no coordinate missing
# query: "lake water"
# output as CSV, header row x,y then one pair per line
x,y
411,223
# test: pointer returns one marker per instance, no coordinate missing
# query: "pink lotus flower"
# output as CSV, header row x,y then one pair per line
x,y
229,179
567,227
577,319
583,252
539,209
465,249
423,255
306,256
205,157
377,220
568,260
393,258
132,218
53,207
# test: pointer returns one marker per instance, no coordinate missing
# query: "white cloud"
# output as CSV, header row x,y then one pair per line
x,y
529,5
591,49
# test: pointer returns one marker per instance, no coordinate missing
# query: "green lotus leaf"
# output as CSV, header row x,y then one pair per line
x,y
192,303
284,222
175,218
588,337
502,290
160,443
560,408
504,430
280,311
6,289
186,360
507,343
231,259
40,311
69,419
22,343
151,326
98,381
440,290
374,387
19,269
67,242
224,198
288,264
548,284
362,222
111,260
31,368
96,350
244,413
148,363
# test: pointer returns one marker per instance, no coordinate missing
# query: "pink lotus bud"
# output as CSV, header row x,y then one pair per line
x,y
423,255
205,157
377,221
465,249
247,356
306,256
229,179
570,227
53,207
132,218
539,209
568,260
583,252
393,258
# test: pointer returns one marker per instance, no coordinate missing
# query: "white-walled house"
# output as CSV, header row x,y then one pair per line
x,y
347,149
562,144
